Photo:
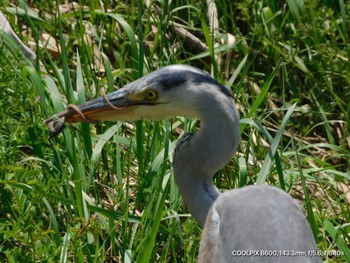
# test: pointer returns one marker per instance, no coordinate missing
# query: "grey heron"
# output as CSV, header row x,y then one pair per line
x,y
251,224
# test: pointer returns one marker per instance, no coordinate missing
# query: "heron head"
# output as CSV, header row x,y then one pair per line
x,y
176,90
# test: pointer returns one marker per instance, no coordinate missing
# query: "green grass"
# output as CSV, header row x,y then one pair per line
x,y
105,192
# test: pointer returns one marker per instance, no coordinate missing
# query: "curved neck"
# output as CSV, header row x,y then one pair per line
x,y
198,158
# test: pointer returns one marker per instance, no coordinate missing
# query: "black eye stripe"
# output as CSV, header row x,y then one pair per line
x,y
170,81
171,77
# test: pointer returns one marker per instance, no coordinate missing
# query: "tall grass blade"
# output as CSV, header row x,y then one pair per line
x,y
310,213
102,140
265,169
343,19
54,221
85,127
243,172
33,74
130,33
68,89
323,115
338,239
237,72
296,7
261,96
64,249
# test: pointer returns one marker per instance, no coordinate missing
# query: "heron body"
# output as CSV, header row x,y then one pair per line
x,y
253,218
257,224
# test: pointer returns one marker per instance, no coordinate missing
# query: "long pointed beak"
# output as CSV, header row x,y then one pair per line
x,y
91,111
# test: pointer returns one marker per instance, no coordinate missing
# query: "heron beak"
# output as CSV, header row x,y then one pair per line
x,y
102,108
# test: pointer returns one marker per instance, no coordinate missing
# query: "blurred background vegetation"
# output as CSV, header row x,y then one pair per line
x,y
105,192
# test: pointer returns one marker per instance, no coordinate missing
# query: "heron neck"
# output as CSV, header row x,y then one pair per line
x,y
199,157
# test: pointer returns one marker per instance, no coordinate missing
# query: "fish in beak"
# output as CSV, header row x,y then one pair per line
x,y
102,108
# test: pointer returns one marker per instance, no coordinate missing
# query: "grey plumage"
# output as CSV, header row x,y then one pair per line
x,y
268,221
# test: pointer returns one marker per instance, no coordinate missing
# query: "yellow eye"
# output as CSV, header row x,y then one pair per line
x,y
151,94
